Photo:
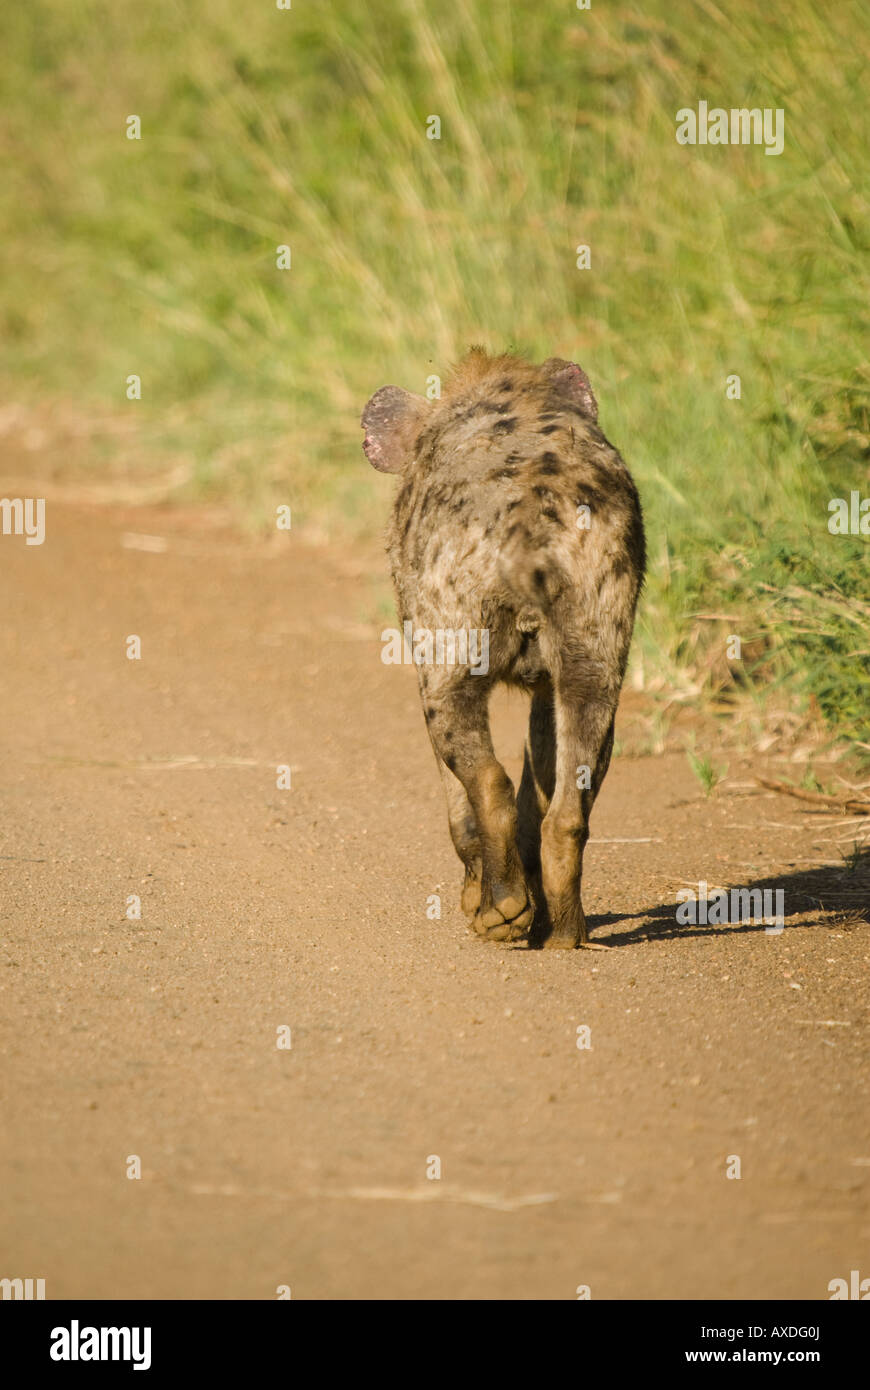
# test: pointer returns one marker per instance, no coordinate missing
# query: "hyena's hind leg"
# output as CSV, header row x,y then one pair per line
x,y
584,741
465,836
459,729
533,798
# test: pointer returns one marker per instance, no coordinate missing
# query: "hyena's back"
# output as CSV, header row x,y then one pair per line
x,y
517,516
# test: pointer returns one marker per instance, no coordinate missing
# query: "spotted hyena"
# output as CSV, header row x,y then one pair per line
x,y
515,517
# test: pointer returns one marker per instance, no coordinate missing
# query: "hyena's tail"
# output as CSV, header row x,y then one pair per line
x,y
536,582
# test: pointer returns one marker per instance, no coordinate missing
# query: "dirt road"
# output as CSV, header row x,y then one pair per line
x,y
306,908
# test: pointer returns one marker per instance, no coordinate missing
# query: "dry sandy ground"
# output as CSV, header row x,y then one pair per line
x,y
307,908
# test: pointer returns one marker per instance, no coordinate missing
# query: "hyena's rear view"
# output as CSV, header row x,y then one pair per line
x,y
517,518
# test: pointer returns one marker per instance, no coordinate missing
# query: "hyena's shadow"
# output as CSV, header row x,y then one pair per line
x,y
841,895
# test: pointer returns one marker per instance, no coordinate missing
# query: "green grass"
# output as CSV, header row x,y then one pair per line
x,y
306,127
708,775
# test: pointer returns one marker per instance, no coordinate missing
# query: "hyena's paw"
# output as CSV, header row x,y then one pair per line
x,y
570,943
470,895
571,935
559,941
506,919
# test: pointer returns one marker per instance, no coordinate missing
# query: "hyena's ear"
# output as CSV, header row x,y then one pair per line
x,y
574,382
392,420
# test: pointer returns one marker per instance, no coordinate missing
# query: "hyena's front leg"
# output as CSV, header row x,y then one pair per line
x,y
459,729
584,739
